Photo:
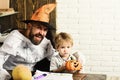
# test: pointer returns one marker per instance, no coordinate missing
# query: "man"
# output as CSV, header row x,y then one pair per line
x,y
30,45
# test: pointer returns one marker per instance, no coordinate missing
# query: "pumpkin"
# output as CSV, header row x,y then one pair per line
x,y
73,65
21,72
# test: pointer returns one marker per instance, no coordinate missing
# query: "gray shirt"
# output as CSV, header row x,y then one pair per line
x,y
57,62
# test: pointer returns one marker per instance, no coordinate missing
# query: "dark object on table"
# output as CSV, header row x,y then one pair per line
x,y
43,65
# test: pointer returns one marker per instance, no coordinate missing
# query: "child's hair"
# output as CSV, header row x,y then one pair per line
x,y
61,38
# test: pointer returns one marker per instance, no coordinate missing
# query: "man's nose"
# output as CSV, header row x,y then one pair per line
x,y
42,32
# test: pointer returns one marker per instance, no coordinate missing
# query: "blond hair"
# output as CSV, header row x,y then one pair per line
x,y
61,38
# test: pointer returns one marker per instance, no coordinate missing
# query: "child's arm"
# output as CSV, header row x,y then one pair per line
x,y
54,65
60,69
80,57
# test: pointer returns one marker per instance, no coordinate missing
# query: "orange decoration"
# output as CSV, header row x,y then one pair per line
x,y
73,65
42,14
21,72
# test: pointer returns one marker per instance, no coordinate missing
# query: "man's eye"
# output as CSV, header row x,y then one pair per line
x,y
38,27
45,29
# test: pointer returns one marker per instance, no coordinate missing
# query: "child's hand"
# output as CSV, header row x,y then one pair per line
x,y
63,66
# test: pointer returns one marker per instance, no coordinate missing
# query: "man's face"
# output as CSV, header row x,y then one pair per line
x,y
37,33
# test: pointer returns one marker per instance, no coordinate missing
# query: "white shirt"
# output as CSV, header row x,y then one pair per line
x,y
19,50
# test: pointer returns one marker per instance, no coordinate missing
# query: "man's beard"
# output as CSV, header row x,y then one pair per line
x,y
33,36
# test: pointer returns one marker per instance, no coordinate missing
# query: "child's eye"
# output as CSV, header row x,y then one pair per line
x,y
62,47
68,47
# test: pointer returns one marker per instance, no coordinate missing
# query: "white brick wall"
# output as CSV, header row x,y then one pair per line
x,y
95,27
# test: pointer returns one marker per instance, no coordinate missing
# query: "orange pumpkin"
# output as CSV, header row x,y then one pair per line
x,y
73,65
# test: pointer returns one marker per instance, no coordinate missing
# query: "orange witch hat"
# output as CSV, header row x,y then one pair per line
x,y
41,15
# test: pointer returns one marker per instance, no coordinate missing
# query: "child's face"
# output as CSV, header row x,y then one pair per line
x,y
65,49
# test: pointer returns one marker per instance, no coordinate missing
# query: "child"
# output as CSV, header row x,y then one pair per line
x,y
63,45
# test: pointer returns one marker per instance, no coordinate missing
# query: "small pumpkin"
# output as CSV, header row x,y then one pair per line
x,y
73,65
21,72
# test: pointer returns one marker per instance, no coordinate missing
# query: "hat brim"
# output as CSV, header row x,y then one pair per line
x,y
41,22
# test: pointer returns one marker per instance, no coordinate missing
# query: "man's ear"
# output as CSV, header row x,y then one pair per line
x,y
29,26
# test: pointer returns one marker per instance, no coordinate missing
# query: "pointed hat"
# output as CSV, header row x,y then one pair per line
x,y
42,15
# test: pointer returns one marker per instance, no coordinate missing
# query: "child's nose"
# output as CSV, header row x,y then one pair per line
x,y
65,50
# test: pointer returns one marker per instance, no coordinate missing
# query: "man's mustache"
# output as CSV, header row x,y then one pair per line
x,y
39,35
